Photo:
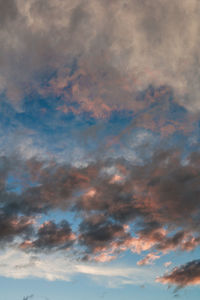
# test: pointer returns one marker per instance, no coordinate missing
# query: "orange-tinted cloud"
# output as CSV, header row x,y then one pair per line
x,y
51,236
188,274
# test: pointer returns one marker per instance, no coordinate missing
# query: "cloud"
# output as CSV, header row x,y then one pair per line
x,y
28,297
97,233
9,12
158,198
142,44
167,264
12,227
188,274
148,259
127,74
51,236
16,264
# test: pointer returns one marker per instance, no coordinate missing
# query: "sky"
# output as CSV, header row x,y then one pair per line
x,y
99,149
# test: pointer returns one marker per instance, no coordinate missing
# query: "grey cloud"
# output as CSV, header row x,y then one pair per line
x,y
52,236
160,197
12,227
28,297
184,275
151,43
98,233
8,12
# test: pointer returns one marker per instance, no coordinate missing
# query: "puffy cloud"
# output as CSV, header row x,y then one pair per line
x,y
12,227
154,208
188,274
51,236
97,234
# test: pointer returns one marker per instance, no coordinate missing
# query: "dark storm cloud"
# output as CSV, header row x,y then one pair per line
x,y
188,274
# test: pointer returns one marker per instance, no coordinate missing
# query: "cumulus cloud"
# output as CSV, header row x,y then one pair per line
x,y
51,235
12,227
155,207
97,234
188,274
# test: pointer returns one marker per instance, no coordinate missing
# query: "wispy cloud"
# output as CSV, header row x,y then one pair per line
x,y
16,264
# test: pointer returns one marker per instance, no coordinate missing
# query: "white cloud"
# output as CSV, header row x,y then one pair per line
x,y
18,264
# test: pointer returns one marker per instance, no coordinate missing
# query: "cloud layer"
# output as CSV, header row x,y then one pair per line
x,y
99,118
17,264
151,207
114,49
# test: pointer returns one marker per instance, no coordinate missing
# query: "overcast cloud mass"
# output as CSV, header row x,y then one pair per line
x,y
99,144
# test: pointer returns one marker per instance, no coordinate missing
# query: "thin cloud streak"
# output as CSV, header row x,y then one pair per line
x,y
16,264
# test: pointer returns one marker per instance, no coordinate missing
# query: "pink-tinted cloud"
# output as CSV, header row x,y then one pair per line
x,y
167,264
188,274
51,236
150,207
148,259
